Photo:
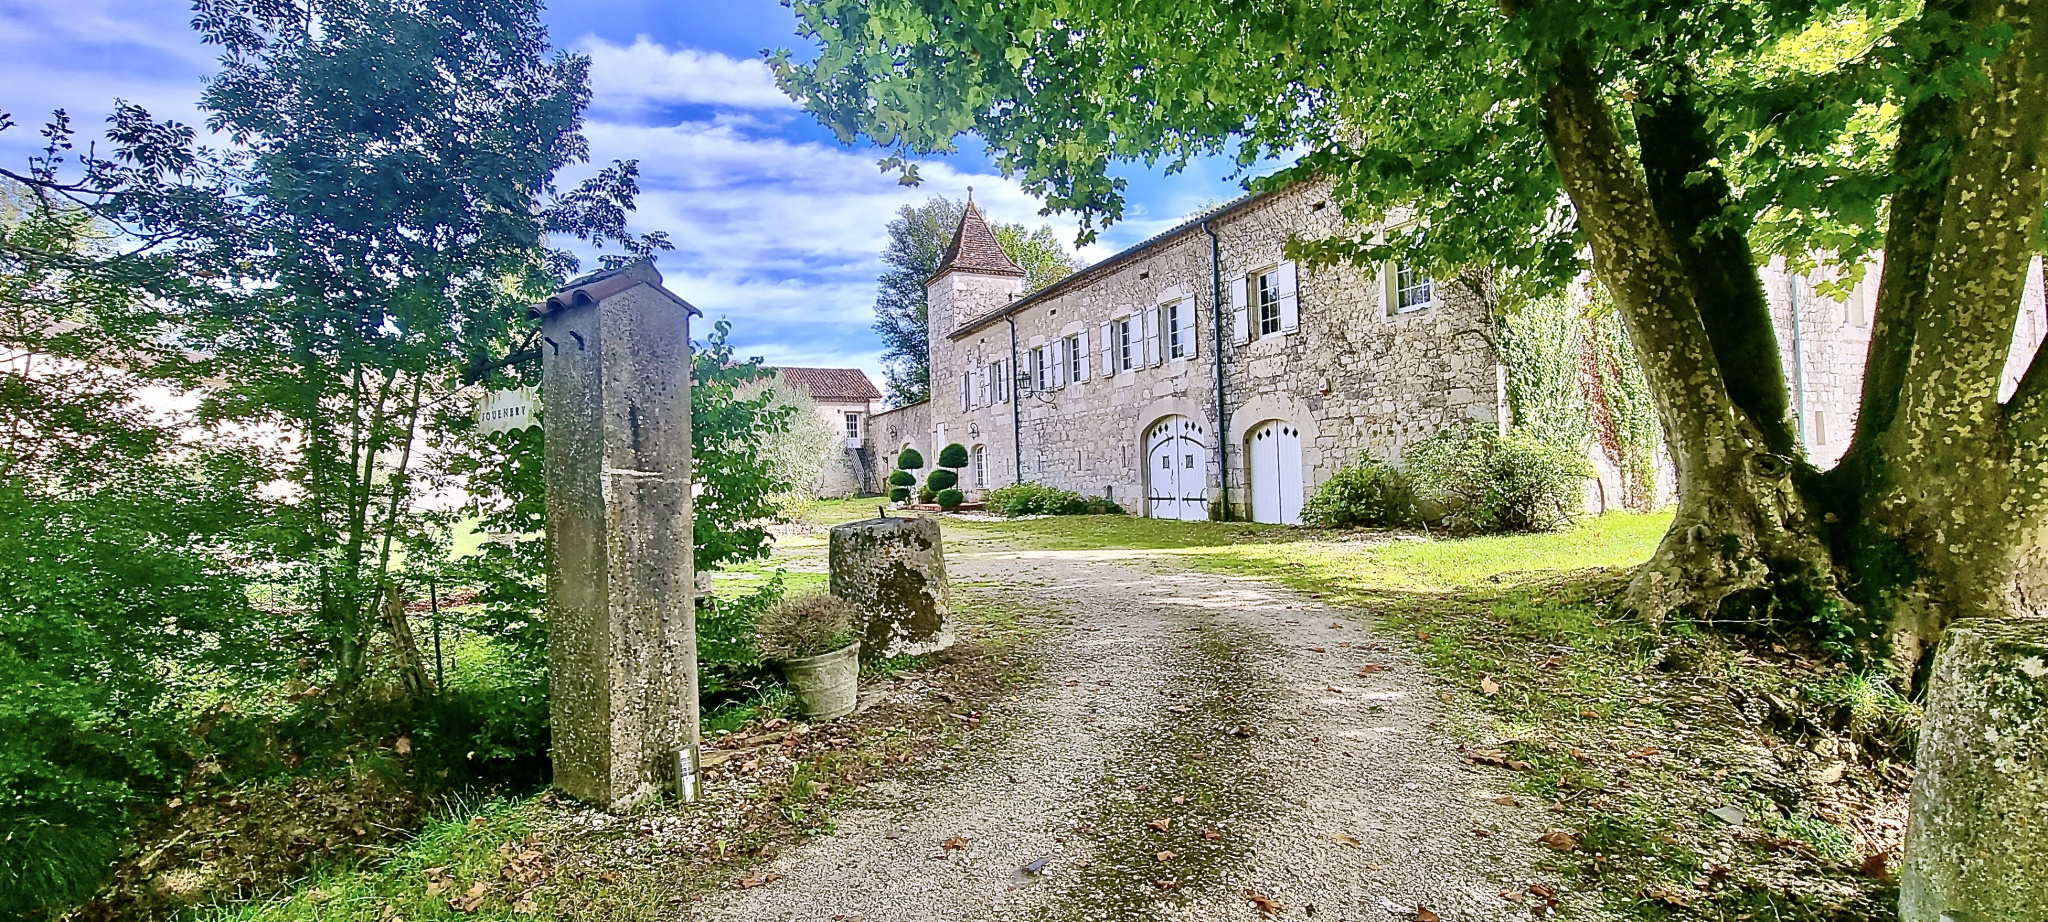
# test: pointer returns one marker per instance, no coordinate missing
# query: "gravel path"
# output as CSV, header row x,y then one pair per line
x,y
1195,737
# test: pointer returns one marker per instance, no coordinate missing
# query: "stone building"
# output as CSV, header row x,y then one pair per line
x,y
1200,373
1107,382
847,400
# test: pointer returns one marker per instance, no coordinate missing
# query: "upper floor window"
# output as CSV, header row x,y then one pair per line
x,y
1413,290
1126,343
1075,354
997,392
853,427
1176,335
1266,300
1041,363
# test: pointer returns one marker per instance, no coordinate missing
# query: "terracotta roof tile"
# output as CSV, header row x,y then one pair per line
x,y
832,383
975,248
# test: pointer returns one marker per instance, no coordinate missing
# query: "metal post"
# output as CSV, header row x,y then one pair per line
x,y
434,600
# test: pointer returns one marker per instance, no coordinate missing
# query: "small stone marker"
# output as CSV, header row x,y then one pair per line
x,y
622,630
893,570
1977,847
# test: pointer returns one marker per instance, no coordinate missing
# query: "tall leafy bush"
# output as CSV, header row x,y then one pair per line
x,y
1476,480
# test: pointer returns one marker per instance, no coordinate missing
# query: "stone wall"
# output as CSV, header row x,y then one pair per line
x,y
1354,379
891,431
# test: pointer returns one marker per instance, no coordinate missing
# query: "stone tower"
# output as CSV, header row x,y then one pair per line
x,y
975,277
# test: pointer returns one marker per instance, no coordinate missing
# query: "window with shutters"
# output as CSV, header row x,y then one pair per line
x,y
1266,300
1171,315
1413,290
1075,355
1126,344
997,388
1042,367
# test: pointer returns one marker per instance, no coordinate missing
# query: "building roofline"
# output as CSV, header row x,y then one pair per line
x,y
1097,270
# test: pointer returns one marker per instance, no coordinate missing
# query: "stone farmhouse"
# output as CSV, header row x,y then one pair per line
x,y
847,400
1201,374
1197,370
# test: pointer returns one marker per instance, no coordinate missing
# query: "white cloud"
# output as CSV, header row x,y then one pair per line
x,y
646,75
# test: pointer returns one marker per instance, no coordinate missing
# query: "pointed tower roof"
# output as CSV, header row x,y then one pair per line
x,y
975,248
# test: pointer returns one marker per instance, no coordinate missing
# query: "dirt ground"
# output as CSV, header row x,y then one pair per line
x,y
1200,747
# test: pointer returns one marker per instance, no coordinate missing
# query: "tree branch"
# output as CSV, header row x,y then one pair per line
x,y
1635,258
1693,198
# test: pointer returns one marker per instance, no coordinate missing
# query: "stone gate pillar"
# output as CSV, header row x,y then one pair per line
x,y
622,639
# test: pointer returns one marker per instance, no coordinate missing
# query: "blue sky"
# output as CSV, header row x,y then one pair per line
x,y
776,225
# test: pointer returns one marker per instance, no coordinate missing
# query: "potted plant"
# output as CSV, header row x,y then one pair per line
x,y
811,637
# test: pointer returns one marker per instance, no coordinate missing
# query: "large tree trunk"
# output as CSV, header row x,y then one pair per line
x,y
1943,487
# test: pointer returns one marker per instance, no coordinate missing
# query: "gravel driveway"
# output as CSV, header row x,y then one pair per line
x,y
1196,740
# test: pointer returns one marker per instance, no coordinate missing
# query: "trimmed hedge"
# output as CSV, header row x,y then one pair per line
x,y
902,479
899,494
950,499
942,479
954,456
1030,498
909,460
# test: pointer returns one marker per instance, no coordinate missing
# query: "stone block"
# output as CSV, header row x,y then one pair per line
x,y
1977,844
893,571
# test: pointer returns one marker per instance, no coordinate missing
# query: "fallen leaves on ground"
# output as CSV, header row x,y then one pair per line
x,y
1266,904
956,842
1166,856
1345,838
1162,824
1497,758
1425,914
1488,687
1559,840
1369,669
749,882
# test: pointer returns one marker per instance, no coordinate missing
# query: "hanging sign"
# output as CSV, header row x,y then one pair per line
x,y
504,411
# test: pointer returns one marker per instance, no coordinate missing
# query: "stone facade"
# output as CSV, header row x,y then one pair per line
x,y
1824,352
846,401
1336,371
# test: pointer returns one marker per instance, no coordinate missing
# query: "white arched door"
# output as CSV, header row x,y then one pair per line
x,y
1177,470
1275,453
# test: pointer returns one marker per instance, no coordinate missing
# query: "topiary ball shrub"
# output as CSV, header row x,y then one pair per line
x,y
1371,494
909,460
943,479
1489,483
950,499
902,479
899,494
954,456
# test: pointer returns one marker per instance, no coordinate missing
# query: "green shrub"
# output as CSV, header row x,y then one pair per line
x,y
942,479
899,494
950,499
1479,481
1371,494
1029,498
902,479
953,456
925,493
909,460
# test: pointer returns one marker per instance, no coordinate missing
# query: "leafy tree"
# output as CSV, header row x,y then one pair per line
x,y
377,228
797,452
917,241
1689,141
116,529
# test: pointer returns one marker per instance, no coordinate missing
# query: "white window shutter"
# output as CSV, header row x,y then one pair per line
x,y
1290,303
1240,312
966,396
1058,349
1108,348
1187,328
1151,336
1086,356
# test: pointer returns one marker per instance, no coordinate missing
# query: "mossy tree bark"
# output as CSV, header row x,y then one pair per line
x,y
1942,489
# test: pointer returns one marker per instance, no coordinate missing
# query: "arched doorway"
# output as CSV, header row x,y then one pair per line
x,y
1177,470
1274,450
